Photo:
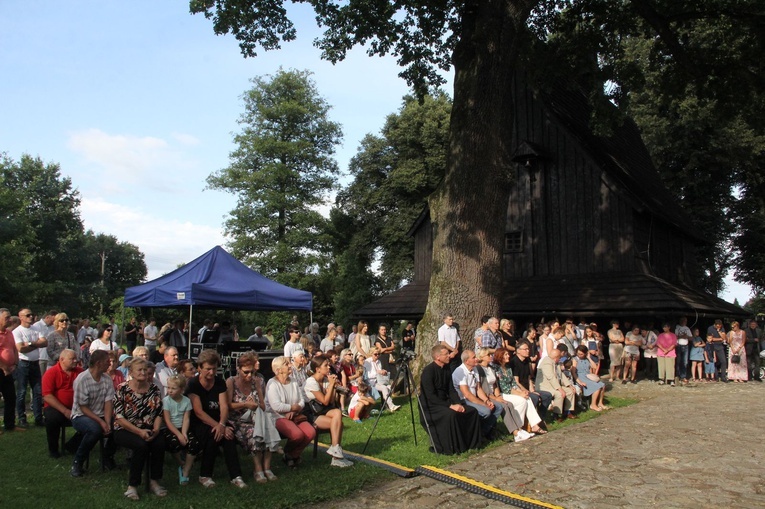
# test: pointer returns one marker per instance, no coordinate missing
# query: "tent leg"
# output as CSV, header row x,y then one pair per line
x,y
188,339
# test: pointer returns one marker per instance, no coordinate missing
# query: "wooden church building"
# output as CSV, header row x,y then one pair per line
x,y
591,230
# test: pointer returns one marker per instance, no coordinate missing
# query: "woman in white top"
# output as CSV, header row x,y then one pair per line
x,y
362,343
284,403
104,341
320,388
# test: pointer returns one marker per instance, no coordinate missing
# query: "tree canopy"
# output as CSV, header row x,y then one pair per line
x,y
48,259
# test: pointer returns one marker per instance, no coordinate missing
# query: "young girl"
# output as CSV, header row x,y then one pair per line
x,y
697,357
709,362
361,403
177,412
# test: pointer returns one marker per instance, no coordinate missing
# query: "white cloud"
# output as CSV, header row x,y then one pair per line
x,y
118,161
166,242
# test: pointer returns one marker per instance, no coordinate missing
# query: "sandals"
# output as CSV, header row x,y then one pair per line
x,y
158,490
260,477
183,481
207,482
238,482
538,431
270,475
132,493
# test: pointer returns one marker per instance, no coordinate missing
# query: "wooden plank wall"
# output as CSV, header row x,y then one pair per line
x,y
573,221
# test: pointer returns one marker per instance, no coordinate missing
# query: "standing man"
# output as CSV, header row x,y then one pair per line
x,y
92,409
175,336
718,338
44,327
28,343
9,360
58,395
467,385
449,337
131,334
408,337
166,369
684,338
491,337
753,338
150,334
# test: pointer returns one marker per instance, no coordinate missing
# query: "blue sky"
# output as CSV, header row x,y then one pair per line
x,y
138,102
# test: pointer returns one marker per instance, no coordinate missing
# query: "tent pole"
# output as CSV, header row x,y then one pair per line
x,y
188,339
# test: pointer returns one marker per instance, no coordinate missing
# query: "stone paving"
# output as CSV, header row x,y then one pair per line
x,y
692,446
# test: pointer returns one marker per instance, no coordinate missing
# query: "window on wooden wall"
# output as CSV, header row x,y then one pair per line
x,y
514,241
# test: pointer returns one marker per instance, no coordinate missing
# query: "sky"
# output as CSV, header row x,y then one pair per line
x,y
138,102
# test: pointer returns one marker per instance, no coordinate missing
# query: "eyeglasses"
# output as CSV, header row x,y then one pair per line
x,y
107,330
29,315
247,372
64,320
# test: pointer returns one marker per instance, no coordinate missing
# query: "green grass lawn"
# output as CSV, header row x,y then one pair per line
x,y
30,479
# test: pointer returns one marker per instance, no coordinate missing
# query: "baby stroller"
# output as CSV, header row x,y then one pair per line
x,y
762,367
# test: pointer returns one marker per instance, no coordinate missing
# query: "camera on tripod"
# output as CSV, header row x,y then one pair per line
x,y
405,356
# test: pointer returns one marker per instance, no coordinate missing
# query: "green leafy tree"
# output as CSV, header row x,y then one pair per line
x,y
281,171
486,41
394,173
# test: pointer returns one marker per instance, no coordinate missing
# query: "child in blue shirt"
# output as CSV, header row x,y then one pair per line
x,y
709,362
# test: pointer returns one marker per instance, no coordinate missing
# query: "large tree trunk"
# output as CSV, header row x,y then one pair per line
x,y
469,208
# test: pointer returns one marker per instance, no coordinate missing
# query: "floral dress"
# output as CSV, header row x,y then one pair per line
x,y
141,410
254,431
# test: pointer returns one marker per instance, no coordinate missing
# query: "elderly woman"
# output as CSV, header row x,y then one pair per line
x,y
379,378
582,372
115,374
209,400
666,344
515,398
104,340
349,370
320,394
138,412
60,339
253,429
187,369
284,402
142,352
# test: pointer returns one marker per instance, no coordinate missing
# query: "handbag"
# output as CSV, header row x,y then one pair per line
x,y
298,417
319,408
735,358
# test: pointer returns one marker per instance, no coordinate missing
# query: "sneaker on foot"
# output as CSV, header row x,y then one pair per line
x,y
341,463
335,451
76,470
522,435
238,482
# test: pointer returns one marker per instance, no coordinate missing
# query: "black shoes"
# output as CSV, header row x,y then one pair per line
x,y
76,470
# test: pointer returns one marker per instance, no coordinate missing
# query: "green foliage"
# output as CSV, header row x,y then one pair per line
x,y
281,171
394,173
48,260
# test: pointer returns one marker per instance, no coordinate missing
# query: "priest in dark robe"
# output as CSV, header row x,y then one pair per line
x,y
453,428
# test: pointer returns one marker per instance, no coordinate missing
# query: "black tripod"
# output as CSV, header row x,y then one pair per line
x,y
405,372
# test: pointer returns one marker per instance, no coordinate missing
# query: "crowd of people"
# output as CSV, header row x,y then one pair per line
x,y
148,399
554,367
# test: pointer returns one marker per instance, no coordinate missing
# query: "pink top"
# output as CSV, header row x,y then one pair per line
x,y
8,352
666,340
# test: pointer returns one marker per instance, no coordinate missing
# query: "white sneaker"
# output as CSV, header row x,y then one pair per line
x,y
341,463
336,451
522,435
395,407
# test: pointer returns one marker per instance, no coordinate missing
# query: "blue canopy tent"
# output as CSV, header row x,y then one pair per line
x,y
218,280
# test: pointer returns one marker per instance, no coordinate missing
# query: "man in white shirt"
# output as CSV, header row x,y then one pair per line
x,y
150,334
45,326
449,336
292,346
467,385
29,342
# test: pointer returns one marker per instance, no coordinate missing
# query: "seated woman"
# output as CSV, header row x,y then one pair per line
x,y
284,404
138,412
521,406
320,390
376,377
187,369
349,370
253,429
582,372
341,388
209,400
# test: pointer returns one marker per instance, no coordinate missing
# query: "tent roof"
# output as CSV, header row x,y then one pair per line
x,y
217,279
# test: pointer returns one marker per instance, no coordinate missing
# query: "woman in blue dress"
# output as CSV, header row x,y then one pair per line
x,y
590,384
